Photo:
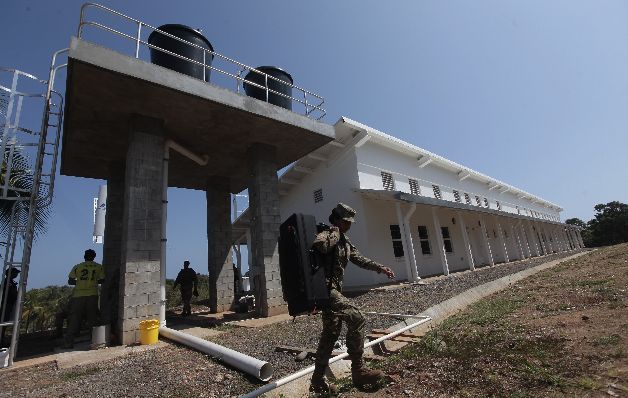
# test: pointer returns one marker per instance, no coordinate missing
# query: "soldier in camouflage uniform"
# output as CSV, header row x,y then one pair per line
x,y
337,251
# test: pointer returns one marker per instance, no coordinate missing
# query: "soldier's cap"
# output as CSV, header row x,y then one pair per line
x,y
344,212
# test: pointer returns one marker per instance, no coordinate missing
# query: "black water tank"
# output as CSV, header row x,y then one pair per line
x,y
260,93
175,46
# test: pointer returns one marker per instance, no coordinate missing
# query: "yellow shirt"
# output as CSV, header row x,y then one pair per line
x,y
87,275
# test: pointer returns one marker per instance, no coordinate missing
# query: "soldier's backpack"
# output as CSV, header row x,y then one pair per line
x,y
302,272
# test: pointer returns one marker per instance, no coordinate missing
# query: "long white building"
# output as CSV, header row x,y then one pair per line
x,y
419,213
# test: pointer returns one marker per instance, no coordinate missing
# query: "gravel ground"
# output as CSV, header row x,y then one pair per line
x,y
407,299
175,371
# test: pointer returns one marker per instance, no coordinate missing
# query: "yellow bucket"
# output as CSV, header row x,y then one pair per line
x,y
149,331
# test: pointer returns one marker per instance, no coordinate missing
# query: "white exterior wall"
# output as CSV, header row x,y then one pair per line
x,y
360,167
374,158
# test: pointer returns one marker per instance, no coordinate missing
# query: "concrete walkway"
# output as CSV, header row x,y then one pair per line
x,y
438,313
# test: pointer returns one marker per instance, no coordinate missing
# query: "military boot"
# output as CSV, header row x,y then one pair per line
x,y
319,386
362,376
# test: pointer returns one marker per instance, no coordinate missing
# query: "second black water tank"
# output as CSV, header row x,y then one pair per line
x,y
175,46
260,93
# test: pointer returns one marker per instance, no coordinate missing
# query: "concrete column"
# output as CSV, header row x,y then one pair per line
x,y
440,249
265,221
141,237
526,246
408,245
487,245
219,240
548,236
534,240
539,232
572,245
502,242
579,234
112,248
515,237
468,254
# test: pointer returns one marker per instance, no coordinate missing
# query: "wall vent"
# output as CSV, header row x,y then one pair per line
x,y
318,195
436,189
387,181
414,187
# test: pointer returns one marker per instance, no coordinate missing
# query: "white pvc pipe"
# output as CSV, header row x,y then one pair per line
x,y
253,366
301,373
201,160
408,236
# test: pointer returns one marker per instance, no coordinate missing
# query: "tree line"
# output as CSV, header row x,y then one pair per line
x,y
609,226
46,307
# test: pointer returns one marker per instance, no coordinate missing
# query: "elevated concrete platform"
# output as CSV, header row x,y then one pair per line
x,y
105,88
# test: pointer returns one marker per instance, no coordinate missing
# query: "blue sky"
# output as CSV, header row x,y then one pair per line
x,y
534,93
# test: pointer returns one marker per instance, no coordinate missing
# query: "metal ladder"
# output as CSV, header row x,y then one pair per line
x,y
44,145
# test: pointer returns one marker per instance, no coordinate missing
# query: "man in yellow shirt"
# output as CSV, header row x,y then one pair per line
x,y
86,277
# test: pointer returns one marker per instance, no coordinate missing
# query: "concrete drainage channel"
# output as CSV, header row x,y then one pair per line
x,y
296,385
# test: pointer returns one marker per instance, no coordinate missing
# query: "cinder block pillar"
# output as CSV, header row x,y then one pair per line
x,y
141,236
265,221
219,240
112,245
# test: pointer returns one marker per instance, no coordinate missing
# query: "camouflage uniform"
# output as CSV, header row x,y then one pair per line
x,y
339,251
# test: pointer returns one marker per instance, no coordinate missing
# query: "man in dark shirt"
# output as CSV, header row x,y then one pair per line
x,y
10,290
189,284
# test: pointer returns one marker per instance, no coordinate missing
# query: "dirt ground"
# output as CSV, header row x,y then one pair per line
x,y
562,332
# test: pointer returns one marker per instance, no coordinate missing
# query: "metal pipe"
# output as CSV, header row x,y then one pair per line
x,y
301,373
253,366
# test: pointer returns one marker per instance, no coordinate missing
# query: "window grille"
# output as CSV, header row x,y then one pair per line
x,y
387,181
436,189
486,203
457,196
414,187
424,239
318,195
478,201
467,198
395,235
449,248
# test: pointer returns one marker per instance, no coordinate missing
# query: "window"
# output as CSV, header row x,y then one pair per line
x,y
424,239
387,181
395,234
447,240
478,201
457,196
436,189
318,195
414,187
486,202
467,198
499,206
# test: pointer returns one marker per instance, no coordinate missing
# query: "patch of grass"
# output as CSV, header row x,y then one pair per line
x,y
540,374
613,339
73,375
587,383
593,282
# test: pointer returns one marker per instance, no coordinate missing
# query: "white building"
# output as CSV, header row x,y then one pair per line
x,y
418,212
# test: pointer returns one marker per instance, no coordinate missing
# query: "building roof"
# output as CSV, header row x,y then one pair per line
x,y
351,133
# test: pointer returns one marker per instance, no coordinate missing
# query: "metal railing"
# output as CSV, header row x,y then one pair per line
x,y
312,103
19,146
